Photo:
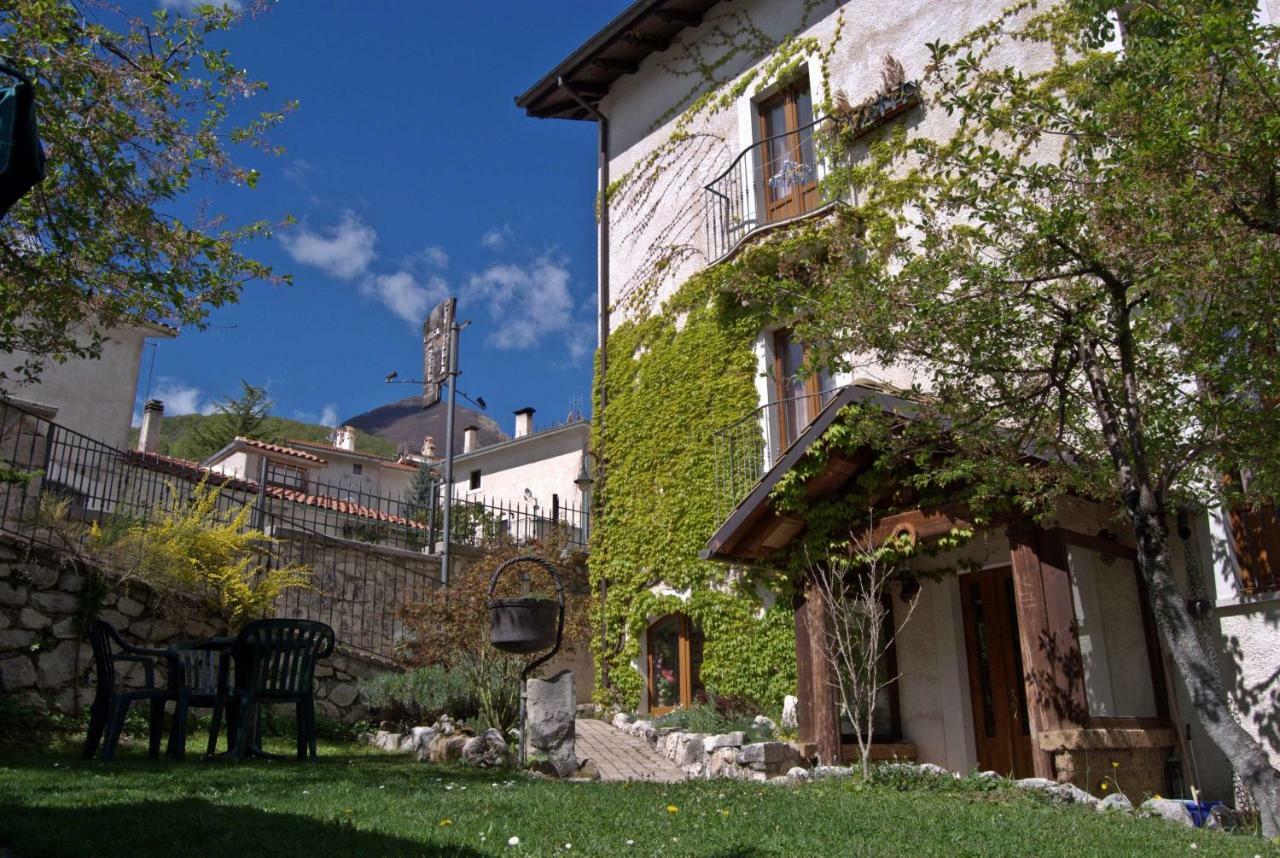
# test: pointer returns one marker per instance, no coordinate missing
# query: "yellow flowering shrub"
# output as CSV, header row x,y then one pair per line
x,y
199,551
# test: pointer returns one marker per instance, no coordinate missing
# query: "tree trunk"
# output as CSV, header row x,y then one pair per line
x,y
1197,667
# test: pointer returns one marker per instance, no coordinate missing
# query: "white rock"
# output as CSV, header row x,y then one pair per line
x,y
621,721
1035,783
1165,808
798,773
790,716
735,739
1116,801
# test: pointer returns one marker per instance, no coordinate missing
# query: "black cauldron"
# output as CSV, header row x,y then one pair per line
x,y
522,625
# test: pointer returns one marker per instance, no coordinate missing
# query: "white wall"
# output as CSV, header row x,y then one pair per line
x,y
644,108
93,397
545,463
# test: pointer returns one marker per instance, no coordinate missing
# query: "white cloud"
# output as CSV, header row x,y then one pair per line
x,y
496,238
329,415
298,170
403,294
432,256
187,7
344,250
527,303
178,398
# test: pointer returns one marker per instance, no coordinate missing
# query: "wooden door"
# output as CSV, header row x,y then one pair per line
x,y
790,170
674,663
996,685
800,398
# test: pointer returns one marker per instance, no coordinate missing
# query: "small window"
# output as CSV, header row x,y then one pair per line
x,y
286,476
357,469
475,480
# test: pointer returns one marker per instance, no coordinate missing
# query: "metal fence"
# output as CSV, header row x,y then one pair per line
x,y
369,554
771,181
746,448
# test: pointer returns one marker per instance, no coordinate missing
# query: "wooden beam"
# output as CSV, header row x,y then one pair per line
x,y
927,524
644,40
609,64
1046,633
678,16
804,670
826,720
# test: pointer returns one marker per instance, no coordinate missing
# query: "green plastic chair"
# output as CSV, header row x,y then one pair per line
x,y
275,662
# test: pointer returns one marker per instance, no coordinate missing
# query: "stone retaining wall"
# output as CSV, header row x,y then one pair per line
x,y
43,661
727,755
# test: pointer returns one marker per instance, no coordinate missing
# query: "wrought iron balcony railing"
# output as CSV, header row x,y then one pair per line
x,y
771,181
747,448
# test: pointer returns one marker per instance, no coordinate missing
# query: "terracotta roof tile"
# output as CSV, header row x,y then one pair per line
x,y
282,450
188,470
339,505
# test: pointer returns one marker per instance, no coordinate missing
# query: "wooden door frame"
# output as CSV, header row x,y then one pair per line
x,y
812,387
684,660
999,630
793,201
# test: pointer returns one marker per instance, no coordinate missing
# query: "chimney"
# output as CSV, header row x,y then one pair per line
x,y
524,422
428,447
149,437
345,438
470,438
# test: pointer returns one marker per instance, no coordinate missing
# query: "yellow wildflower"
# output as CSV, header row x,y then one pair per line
x,y
444,823
671,808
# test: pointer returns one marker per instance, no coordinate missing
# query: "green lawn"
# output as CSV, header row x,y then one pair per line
x,y
357,802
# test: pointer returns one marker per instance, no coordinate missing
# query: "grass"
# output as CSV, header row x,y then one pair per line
x,y
359,802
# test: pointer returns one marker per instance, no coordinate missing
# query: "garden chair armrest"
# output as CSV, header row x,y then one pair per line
x,y
148,666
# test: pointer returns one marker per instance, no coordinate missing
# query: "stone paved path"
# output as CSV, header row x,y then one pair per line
x,y
622,757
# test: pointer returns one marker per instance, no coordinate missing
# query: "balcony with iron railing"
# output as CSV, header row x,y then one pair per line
x,y
773,181
746,449
778,179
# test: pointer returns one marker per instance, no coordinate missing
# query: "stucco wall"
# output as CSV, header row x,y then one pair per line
x,y
93,397
545,463
643,110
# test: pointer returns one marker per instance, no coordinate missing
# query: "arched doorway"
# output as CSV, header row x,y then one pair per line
x,y
675,663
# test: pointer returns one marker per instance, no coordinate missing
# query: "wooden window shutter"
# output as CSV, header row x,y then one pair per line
x,y
1256,533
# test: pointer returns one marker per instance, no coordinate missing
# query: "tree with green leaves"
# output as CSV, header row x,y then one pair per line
x,y
243,416
1084,268
135,115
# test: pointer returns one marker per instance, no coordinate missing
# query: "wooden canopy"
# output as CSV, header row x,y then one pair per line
x,y
645,27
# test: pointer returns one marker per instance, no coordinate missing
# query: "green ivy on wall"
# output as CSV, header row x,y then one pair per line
x,y
674,378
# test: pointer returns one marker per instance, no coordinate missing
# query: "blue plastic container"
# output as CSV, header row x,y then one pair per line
x,y
1200,810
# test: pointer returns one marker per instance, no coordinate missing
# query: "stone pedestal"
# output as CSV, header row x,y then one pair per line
x,y
550,709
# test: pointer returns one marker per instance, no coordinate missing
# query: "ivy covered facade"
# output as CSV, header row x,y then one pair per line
x,y
725,461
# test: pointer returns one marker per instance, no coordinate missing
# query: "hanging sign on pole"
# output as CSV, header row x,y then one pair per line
x,y
435,350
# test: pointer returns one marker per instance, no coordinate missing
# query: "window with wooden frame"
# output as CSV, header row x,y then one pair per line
x,y
1255,535
286,476
674,669
789,167
799,396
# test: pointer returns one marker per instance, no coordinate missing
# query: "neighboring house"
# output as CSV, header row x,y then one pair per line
x,y
1041,659
336,470
93,397
538,472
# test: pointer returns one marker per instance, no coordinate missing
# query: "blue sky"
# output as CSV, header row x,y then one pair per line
x,y
412,176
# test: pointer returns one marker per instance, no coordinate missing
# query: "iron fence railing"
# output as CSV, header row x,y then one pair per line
x,y
369,553
765,184
745,449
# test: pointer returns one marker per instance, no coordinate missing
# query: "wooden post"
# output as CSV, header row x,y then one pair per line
x,y
804,670
1046,632
826,720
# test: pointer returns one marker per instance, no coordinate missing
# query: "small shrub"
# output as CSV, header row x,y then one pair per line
x,y
196,551
708,718
419,696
